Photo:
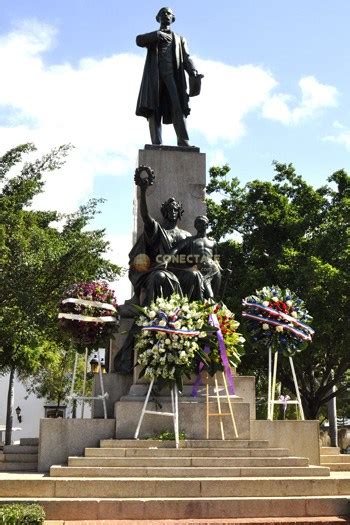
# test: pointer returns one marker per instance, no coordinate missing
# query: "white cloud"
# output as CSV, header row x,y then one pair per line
x,y
342,138
314,96
92,105
216,157
338,125
228,95
120,246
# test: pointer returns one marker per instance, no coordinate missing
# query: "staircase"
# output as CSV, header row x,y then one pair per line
x,y
203,479
195,459
20,458
334,460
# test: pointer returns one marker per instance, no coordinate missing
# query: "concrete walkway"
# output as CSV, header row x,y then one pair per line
x,y
258,521
35,476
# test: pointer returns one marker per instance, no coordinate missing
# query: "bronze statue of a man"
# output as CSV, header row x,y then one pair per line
x,y
163,94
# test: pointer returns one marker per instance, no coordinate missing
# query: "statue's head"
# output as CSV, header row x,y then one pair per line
x,y
172,209
165,15
201,221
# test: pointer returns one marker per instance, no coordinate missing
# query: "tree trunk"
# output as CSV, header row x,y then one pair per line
x,y
58,402
332,418
10,403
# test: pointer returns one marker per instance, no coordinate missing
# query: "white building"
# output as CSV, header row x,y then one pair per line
x,y
32,409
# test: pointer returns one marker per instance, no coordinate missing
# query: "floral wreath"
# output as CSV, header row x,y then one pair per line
x,y
279,318
168,341
88,314
178,338
224,346
227,326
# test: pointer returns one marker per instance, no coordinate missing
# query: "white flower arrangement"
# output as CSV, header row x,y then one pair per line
x,y
167,344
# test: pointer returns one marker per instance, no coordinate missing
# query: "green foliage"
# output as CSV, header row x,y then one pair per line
x,y
54,381
168,435
295,236
39,261
21,514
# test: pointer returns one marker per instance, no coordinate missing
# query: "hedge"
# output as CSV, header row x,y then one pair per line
x,y
21,514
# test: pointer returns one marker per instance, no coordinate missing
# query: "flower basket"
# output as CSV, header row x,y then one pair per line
x,y
88,314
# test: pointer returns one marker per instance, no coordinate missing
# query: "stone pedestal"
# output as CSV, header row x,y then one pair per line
x,y
192,410
244,385
179,173
192,417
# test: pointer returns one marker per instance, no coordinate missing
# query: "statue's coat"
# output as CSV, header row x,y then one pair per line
x,y
149,96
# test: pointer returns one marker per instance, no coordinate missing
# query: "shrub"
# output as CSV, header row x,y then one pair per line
x,y
21,514
168,435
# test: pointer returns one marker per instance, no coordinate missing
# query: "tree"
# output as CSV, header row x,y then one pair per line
x,y
38,262
295,236
53,382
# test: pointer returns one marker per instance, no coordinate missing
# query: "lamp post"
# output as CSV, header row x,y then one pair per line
x,y
94,364
18,414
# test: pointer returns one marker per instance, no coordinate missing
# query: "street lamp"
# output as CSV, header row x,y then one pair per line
x,y
94,364
18,413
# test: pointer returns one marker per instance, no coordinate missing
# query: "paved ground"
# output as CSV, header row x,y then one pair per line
x,y
257,521
336,520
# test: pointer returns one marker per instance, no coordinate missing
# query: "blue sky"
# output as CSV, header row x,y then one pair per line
x,y
276,86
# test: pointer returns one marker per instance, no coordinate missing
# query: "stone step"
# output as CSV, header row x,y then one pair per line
x,y
186,472
29,441
340,467
21,458
187,462
46,487
310,520
329,450
15,466
193,509
188,443
338,458
186,452
20,449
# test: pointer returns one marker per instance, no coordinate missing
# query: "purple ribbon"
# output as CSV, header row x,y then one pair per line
x,y
198,381
213,320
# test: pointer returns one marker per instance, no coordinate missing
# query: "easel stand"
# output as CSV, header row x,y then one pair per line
x,y
225,399
271,401
174,414
74,397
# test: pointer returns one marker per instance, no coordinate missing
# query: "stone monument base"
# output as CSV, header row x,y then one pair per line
x,y
192,417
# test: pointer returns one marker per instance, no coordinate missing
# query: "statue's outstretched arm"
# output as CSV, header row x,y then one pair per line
x,y
143,182
147,39
148,221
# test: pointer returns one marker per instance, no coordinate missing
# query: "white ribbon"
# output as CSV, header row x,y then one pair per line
x,y
88,319
86,302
